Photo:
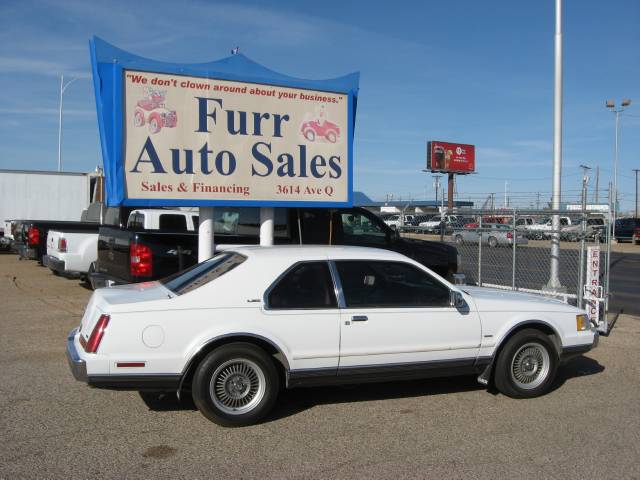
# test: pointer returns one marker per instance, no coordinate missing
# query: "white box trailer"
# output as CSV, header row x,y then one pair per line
x,y
42,195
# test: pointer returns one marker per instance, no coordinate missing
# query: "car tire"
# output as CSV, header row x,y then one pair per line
x,y
459,240
493,242
138,118
310,135
527,365
331,137
236,385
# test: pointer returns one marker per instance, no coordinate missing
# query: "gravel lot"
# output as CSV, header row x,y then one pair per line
x,y
55,427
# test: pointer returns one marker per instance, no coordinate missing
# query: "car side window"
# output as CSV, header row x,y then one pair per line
x,y
306,286
389,284
358,229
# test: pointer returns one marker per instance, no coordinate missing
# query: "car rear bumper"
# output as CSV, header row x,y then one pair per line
x,y
54,263
76,364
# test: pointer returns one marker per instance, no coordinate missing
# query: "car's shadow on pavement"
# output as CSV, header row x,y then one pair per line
x,y
292,402
576,367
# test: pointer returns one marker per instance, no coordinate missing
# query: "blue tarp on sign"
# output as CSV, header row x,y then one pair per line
x,y
109,64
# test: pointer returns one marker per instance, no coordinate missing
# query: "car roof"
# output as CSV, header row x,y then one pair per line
x,y
315,252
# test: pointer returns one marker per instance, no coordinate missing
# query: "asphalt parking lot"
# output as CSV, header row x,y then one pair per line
x,y
55,427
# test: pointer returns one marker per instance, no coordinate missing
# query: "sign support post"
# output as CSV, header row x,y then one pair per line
x,y
266,226
450,192
206,245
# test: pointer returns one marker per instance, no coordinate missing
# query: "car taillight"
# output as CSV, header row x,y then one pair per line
x,y
33,236
62,244
140,260
509,234
96,335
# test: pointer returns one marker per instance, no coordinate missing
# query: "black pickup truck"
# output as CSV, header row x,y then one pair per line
x,y
30,236
130,255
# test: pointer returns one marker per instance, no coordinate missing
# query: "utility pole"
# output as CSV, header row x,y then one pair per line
x,y
610,104
436,185
636,209
538,201
597,183
554,277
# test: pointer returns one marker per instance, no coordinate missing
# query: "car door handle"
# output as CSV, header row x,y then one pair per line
x,y
359,318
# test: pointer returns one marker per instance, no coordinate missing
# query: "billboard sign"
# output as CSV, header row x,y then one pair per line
x,y
225,133
451,157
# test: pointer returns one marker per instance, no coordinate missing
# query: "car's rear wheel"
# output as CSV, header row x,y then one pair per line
x,y
527,365
459,240
493,242
331,136
235,385
310,135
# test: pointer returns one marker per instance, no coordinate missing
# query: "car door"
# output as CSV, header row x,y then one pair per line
x,y
301,309
396,313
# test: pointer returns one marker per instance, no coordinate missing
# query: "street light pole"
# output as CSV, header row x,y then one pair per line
x,y
610,104
554,277
63,87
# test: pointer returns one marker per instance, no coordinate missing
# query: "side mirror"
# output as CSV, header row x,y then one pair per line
x,y
456,299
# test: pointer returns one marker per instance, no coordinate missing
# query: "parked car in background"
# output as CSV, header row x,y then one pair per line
x,y
30,236
636,236
544,228
593,227
418,219
625,228
433,225
493,235
129,254
367,315
397,222
74,253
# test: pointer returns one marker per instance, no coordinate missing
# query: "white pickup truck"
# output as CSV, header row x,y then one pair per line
x,y
73,254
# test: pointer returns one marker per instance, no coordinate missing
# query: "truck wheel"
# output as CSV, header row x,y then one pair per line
x,y
493,242
527,365
236,385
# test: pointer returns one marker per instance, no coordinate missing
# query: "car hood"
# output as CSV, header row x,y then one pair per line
x,y
496,300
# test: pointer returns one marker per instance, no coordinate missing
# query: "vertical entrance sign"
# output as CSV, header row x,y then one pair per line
x,y
229,132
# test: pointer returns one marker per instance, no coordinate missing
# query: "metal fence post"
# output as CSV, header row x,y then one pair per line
x,y
480,252
515,242
608,264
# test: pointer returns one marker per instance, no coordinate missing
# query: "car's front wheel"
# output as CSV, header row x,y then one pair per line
x,y
527,365
235,385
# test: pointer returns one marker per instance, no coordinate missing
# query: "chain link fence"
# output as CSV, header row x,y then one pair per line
x,y
512,250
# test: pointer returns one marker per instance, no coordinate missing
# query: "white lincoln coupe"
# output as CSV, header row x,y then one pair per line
x,y
236,328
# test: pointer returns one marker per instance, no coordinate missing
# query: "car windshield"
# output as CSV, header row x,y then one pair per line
x,y
202,273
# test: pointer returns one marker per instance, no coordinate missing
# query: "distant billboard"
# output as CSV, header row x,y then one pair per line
x,y
451,157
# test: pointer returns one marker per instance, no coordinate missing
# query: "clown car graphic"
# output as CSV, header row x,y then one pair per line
x,y
313,129
152,111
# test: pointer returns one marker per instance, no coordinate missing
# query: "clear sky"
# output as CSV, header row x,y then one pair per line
x,y
470,71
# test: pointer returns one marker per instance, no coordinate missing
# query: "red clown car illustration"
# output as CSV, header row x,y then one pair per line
x,y
313,128
316,125
152,111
